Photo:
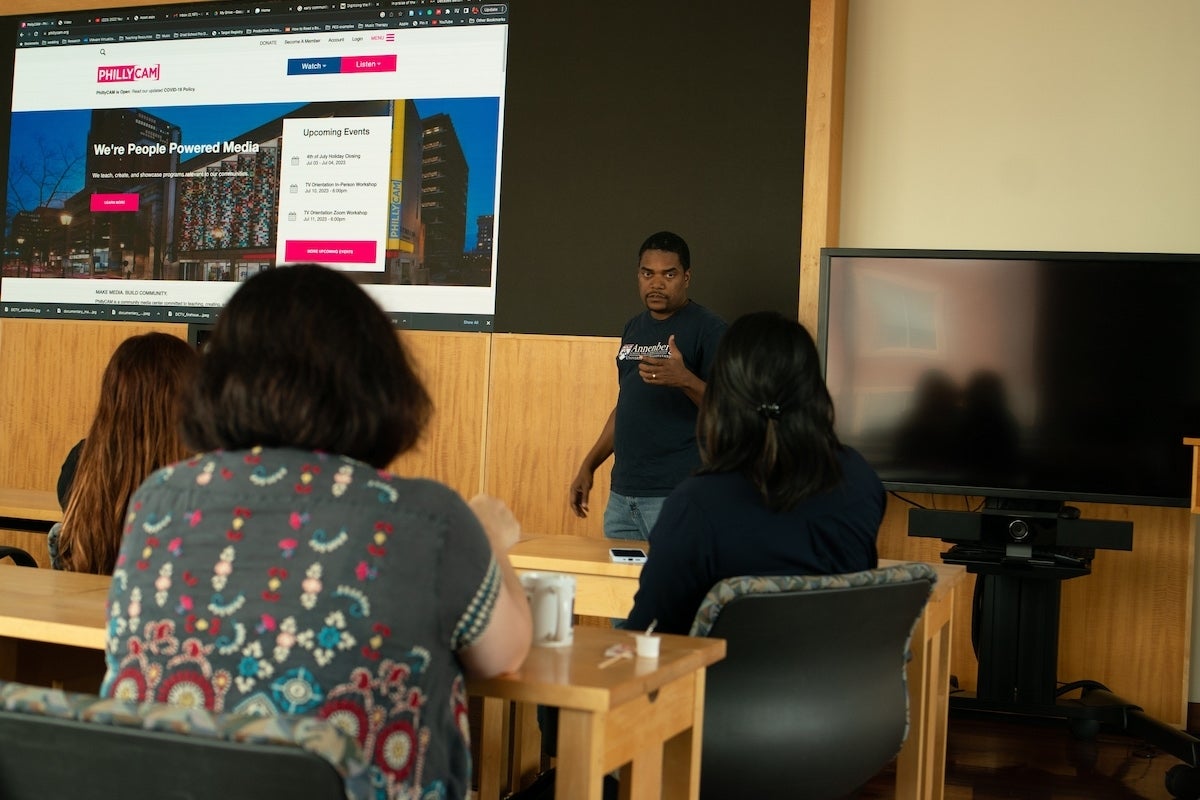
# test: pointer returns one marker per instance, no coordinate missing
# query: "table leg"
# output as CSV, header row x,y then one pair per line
x,y
8,659
493,755
681,754
642,778
526,747
579,772
939,704
921,764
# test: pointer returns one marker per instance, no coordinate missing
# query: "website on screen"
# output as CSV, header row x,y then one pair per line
x,y
160,156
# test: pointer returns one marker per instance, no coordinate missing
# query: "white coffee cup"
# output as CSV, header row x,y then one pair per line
x,y
551,598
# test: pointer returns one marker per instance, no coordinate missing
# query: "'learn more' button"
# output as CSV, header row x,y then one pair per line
x,y
114,202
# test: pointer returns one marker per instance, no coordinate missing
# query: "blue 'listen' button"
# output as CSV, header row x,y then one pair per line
x,y
314,66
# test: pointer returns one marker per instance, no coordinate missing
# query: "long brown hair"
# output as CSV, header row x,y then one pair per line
x,y
135,431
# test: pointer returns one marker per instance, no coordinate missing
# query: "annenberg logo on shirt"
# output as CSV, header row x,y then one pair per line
x,y
636,352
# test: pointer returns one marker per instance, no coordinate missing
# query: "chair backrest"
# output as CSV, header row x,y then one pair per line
x,y
811,700
67,744
20,557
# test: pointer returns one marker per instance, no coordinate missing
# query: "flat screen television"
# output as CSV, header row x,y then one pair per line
x,y
1027,377
155,156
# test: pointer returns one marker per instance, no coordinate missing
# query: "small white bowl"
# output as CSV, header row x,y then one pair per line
x,y
647,645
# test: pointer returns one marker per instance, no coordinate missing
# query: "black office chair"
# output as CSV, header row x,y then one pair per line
x,y
811,700
19,557
65,744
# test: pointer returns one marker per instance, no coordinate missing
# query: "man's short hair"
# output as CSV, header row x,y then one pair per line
x,y
668,243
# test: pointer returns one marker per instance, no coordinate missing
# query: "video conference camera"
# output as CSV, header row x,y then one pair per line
x,y
1021,535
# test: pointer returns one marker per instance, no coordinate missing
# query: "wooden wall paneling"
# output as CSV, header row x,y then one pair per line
x,y
1130,621
550,397
50,383
1195,445
454,368
822,147
50,374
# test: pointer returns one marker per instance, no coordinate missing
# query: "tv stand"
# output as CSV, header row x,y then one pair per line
x,y
1015,623
1020,569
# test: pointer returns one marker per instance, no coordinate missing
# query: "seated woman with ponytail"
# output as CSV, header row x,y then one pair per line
x,y
777,493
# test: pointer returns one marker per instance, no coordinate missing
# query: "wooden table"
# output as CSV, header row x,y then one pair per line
x,y
25,516
606,590
644,716
921,764
29,504
602,588
52,627
52,606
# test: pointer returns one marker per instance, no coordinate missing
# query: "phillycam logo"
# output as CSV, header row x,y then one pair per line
x,y
128,72
636,352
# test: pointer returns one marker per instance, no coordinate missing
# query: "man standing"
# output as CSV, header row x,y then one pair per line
x,y
662,368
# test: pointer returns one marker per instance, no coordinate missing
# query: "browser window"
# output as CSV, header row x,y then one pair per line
x,y
159,156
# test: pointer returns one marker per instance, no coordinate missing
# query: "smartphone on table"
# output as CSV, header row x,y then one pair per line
x,y
627,555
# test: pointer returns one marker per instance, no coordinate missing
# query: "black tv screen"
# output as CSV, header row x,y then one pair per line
x,y
1047,376
153,157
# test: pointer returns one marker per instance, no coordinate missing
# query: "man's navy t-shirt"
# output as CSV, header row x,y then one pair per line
x,y
654,443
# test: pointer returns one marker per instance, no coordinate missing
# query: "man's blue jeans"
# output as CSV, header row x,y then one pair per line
x,y
631,517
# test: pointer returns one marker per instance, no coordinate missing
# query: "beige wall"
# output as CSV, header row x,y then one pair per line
x,y
1027,124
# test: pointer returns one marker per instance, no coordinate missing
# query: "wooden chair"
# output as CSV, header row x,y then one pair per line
x,y
65,744
811,700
